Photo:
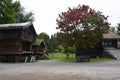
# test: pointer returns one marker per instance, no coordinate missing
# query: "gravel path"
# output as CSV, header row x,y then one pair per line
x,y
55,70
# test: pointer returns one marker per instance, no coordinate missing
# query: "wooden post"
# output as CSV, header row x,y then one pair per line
x,y
32,58
26,59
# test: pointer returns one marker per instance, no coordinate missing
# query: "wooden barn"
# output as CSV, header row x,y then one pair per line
x,y
17,38
109,41
39,49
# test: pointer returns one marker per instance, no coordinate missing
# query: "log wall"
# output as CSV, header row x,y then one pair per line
x,y
10,47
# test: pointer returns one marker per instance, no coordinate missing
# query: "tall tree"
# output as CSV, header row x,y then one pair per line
x,y
12,12
55,42
112,29
82,26
118,29
46,38
22,16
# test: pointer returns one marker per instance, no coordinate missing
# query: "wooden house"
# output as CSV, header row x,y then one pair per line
x,y
118,44
110,40
16,38
39,48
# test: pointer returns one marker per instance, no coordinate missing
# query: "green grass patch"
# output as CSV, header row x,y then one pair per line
x,y
71,58
5,62
62,57
100,59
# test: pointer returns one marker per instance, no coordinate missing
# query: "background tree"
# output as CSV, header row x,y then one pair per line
x,y
60,48
55,42
24,17
112,29
118,29
82,26
12,12
46,38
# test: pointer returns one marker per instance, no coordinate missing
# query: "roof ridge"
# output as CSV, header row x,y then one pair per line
x,y
15,25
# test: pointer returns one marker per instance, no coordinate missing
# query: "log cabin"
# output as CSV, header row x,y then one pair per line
x,y
39,48
109,41
16,38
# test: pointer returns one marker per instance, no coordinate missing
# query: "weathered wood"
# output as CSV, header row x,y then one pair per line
x,y
92,52
33,58
16,38
26,59
9,46
27,34
9,34
109,43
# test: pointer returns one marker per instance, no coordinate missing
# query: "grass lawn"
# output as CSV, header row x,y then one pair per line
x,y
62,57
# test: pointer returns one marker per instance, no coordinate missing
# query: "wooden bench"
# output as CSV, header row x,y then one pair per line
x,y
82,58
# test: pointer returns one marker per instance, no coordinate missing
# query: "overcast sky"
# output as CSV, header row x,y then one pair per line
x,y
46,11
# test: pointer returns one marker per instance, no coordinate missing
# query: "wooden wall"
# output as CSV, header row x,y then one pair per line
x,y
10,47
40,49
92,52
9,34
98,50
28,35
26,46
37,49
15,41
109,43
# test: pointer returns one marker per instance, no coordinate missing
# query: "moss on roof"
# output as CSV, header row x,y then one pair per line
x,y
40,42
37,41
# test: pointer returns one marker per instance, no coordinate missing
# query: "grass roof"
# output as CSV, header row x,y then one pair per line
x,y
38,41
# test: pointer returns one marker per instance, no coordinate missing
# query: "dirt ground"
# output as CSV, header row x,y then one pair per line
x,y
56,70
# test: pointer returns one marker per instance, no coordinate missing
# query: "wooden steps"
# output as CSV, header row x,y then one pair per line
x,y
115,53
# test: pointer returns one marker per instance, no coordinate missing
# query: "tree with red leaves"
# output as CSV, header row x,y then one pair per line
x,y
82,26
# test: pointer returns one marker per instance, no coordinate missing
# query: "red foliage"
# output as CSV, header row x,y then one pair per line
x,y
76,22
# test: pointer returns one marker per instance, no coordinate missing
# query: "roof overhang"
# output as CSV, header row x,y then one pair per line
x,y
15,25
111,35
